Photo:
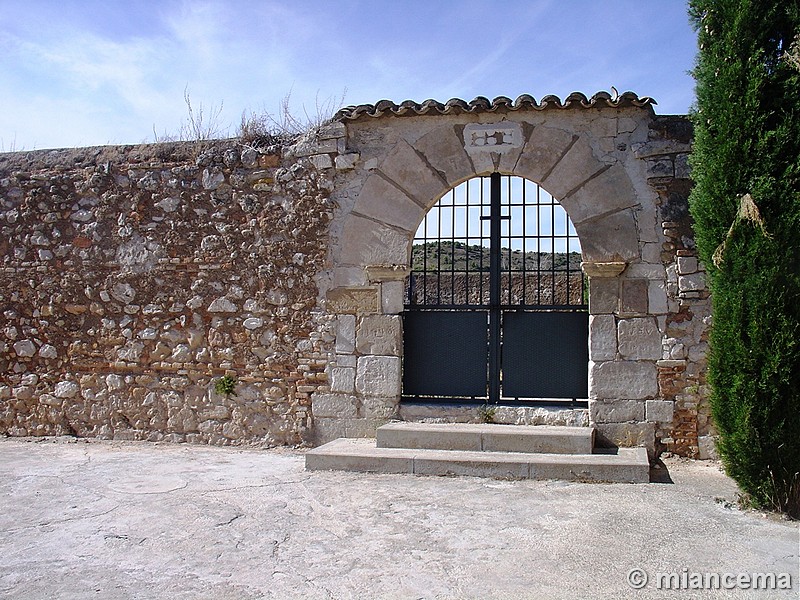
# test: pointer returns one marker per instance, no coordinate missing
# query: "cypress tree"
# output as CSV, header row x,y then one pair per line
x,y
746,208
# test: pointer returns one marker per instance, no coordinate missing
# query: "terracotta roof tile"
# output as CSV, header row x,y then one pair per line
x,y
481,104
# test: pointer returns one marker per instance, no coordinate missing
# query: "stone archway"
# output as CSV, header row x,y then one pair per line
x,y
598,196
584,156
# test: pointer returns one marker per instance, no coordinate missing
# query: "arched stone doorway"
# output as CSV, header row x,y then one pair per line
x,y
580,151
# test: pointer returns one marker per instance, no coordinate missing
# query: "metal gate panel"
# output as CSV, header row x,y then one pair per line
x,y
444,353
545,355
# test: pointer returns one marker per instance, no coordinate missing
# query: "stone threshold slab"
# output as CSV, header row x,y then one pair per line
x,y
627,465
487,437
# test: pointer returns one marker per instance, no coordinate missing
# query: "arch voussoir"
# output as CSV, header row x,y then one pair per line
x,y
444,150
366,242
575,168
541,153
384,201
609,238
608,192
410,171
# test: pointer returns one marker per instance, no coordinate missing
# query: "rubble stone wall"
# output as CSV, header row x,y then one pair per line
x,y
683,389
133,277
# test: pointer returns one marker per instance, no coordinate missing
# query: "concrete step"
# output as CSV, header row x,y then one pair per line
x,y
625,465
487,437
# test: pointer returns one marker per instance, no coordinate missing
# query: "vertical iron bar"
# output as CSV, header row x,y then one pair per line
x,y
439,258
524,244
538,245
552,253
452,246
425,260
507,300
466,249
569,275
480,210
494,289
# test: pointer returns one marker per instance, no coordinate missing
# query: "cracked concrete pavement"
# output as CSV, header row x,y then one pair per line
x,y
118,520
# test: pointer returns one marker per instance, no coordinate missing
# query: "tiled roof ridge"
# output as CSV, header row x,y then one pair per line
x,y
499,104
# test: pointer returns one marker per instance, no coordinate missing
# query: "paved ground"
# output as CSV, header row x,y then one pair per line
x,y
134,520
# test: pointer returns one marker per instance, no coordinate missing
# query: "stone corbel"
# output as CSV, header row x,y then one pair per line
x,y
381,273
604,269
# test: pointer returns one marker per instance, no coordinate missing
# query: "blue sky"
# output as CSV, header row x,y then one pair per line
x,y
86,72
537,221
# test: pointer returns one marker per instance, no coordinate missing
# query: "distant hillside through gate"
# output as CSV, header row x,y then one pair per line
x,y
458,256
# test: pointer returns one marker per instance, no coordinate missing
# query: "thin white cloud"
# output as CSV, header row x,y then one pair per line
x,y
198,26
509,36
90,63
111,72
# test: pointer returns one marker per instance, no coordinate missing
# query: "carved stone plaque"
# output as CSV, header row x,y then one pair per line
x,y
492,137
359,301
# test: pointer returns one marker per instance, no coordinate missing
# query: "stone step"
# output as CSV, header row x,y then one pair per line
x,y
487,437
624,465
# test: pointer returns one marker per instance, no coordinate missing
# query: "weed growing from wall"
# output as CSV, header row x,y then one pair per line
x,y
258,129
225,386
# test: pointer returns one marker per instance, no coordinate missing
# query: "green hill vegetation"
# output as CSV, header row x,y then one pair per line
x,y
458,256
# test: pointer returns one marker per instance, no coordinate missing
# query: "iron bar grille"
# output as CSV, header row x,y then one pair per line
x,y
540,252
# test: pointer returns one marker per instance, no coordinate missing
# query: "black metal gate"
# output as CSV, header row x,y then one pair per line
x,y
496,304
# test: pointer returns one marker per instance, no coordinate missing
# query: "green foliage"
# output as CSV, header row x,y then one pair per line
x,y
486,413
746,207
447,255
225,386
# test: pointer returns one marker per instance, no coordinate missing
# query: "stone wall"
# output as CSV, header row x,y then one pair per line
x,y
134,277
657,314
683,389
